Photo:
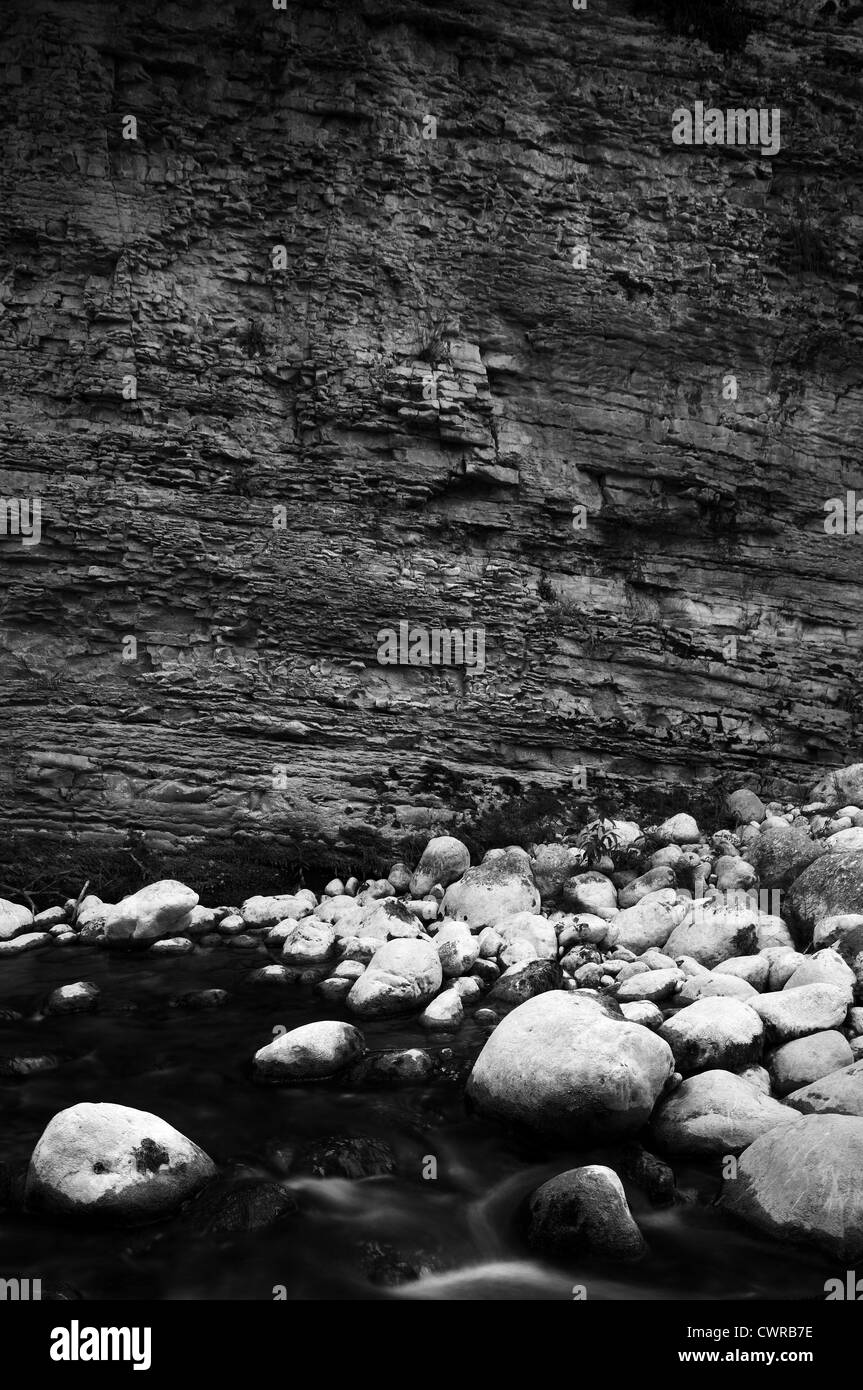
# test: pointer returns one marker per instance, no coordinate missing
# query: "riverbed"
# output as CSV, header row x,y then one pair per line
x,y
450,1228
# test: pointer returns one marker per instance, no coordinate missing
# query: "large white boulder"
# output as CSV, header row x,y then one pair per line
x,y
152,912
310,1053
113,1162
13,919
715,1112
443,861
493,890
569,1065
794,1013
529,929
801,1183
266,911
402,975
717,1033
651,921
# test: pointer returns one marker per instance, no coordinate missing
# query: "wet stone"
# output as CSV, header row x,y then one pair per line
x,y
345,1156
226,1209
28,1066
201,999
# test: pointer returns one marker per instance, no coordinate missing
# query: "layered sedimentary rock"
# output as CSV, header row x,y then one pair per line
x,y
398,424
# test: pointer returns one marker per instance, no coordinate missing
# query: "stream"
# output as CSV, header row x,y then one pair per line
x,y
456,1234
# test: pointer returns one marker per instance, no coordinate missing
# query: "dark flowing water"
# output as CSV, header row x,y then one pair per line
x,y
460,1232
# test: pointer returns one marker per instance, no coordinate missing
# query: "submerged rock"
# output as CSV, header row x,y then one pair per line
x,y
79,998
648,1172
202,999
345,1156
226,1208
33,1064
409,1066
172,946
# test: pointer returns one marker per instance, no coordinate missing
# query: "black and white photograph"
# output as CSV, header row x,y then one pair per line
x,y
431,545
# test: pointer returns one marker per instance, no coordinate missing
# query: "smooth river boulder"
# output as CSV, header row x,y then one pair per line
x,y
457,948
568,1065
266,910
402,975
651,921
796,1064
591,892
801,1183
495,889
527,928
653,881
310,1053
152,912
443,861
715,1113
308,943
551,866
831,886
656,986
721,1033
13,919
840,1092
681,829
794,1013
115,1163
711,935
824,968
780,854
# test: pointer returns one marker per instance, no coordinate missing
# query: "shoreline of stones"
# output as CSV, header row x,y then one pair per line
x,y
646,995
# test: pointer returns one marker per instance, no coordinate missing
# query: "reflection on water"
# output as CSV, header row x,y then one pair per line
x,y
397,1235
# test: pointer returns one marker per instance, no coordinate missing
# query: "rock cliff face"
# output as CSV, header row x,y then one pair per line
x,y
365,382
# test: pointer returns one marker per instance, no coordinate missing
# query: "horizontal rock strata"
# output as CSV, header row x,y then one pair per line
x,y
398,424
